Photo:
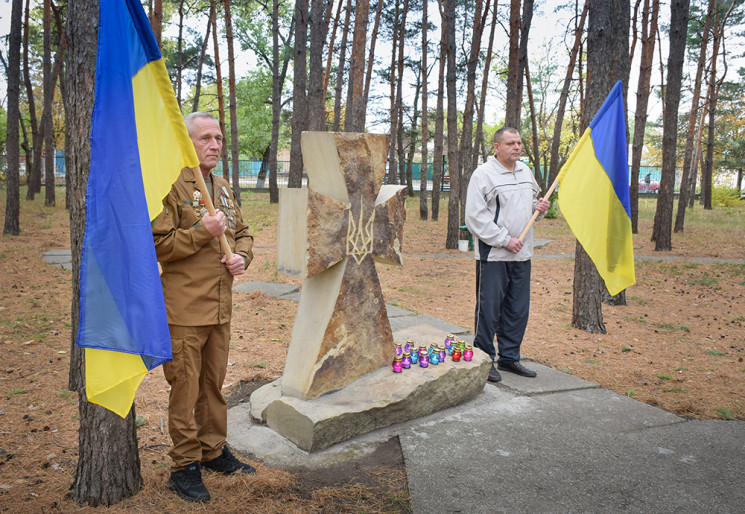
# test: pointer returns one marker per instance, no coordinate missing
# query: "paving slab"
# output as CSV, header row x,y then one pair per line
x,y
576,451
394,312
548,380
61,258
402,322
268,288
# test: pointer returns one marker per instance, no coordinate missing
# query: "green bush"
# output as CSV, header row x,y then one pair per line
x,y
725,196
553,211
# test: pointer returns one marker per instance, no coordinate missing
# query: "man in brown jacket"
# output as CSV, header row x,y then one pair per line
x,y
197,283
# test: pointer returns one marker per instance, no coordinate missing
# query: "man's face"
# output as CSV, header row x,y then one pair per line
x,y
207,139
508,149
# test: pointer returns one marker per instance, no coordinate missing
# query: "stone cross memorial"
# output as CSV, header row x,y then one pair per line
x,y
331,234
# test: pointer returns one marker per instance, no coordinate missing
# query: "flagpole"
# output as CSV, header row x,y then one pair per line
x,y
536,213
211,209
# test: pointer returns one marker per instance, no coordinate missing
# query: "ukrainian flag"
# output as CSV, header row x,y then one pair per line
x,y
139,145
594,194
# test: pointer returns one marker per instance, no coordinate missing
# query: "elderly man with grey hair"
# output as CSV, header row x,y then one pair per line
x,y
197,283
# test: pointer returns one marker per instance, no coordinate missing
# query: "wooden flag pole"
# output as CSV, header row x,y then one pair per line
x,y
211,209
535,214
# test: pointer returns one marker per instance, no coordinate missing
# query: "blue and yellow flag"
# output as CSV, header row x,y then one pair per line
x,y
139,145
594,194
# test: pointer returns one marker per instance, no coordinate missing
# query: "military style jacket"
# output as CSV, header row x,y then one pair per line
x,y
197,287
499,205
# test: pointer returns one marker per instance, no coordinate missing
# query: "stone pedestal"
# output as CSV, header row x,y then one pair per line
x,y
377,400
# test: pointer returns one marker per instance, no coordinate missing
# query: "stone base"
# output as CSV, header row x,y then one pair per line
x,y
377,400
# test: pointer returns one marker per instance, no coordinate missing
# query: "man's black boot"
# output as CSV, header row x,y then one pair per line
x,y
227,464
188,484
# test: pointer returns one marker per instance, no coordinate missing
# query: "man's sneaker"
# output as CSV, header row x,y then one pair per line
x,y
494,375
188,484
227,464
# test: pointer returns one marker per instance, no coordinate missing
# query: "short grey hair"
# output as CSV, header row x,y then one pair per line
x,y
189,119
498,134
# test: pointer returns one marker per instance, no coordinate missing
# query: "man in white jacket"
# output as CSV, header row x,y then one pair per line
x,y
502,196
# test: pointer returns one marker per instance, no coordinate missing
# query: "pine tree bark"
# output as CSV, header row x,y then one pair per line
x,y
12,203
607,63
561,109
220,94
393,79
156,19
316,97
299,98
478,141
371,59
46,118
33,168
437,160
452,117
512,102
689,158
663,218
276,106
423,212
355,116
108,467
340,67
202,53
466,140
233,104
649,33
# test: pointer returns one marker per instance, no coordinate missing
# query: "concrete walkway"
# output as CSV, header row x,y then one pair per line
x,y
555,443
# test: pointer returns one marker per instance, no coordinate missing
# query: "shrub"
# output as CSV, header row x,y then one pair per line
x,y
725,196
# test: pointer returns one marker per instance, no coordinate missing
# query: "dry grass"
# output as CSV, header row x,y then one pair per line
x,y
678,344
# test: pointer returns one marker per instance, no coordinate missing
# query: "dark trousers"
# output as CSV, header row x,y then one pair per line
x,y
502,307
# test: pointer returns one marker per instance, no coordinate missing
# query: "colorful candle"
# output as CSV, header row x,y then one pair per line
x,y
468,354
423,358
443,353
397,365
399,350
406,360
456,354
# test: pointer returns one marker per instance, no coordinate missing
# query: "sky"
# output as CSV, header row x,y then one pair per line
x,y
546,34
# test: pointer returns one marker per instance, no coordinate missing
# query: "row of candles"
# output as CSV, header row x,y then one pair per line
x,y
408,355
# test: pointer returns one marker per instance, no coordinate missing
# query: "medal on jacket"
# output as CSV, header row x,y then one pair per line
x,y
227,206
198,204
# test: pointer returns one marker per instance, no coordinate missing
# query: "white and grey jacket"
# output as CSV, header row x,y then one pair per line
x,y
499,204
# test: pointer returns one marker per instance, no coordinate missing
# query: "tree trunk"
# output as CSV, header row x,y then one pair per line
x,y
12,204
663,217
466,166
233,104
340,68
179,51
649,32
327,73
452,116
720,22
108,467
316,98
276,106
607,63
46,118
561,109
392,166
33,168
220,95
299,100
437,161
539,177
355,116
205,42
512,103
156,19
423,213
479,137
371,59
